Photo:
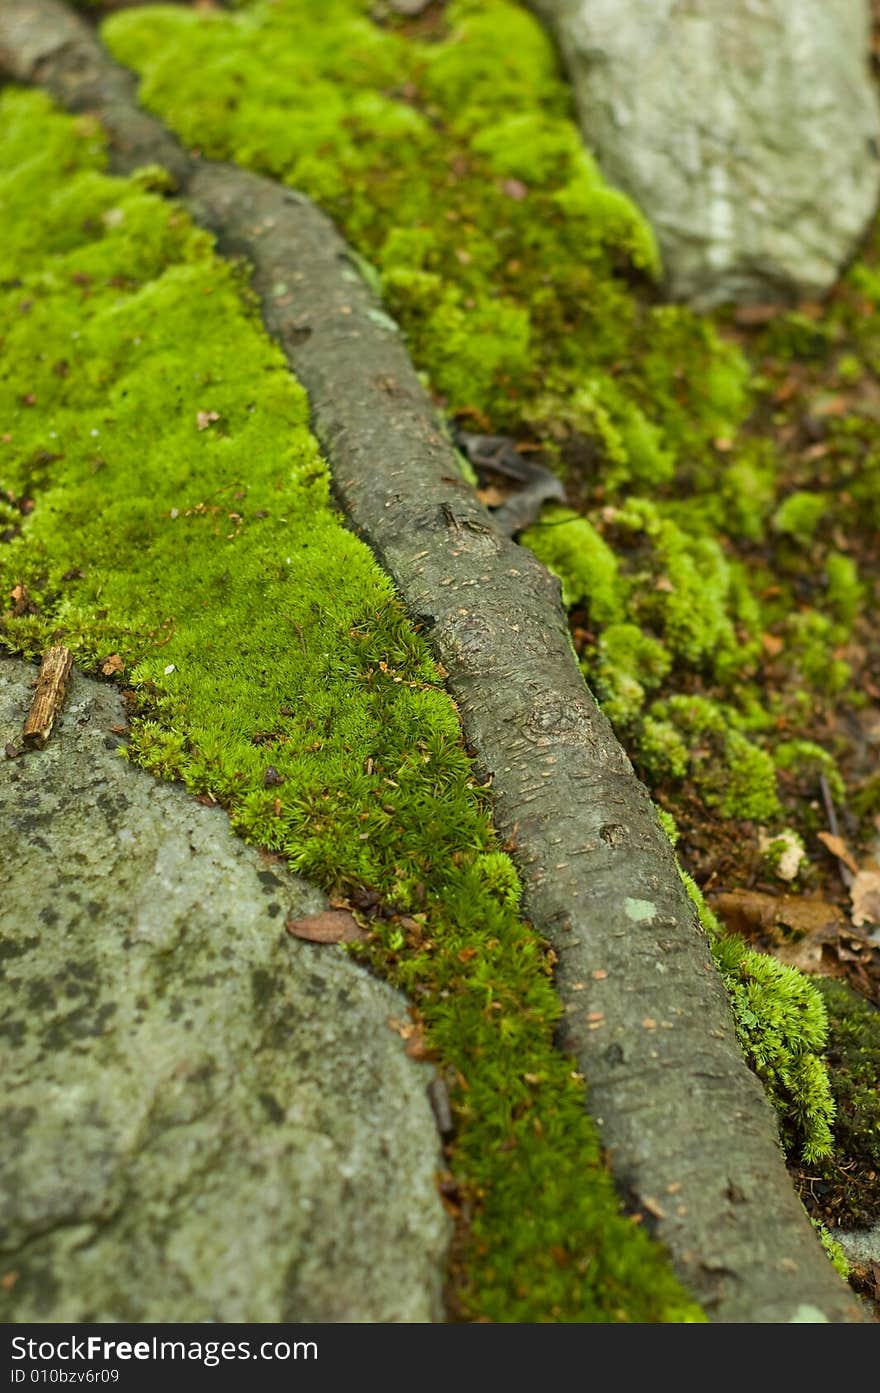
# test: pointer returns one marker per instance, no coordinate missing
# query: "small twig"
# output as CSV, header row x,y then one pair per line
x,y
846,874
49,697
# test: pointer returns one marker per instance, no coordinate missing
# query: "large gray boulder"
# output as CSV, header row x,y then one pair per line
x,y
747,131
202,1119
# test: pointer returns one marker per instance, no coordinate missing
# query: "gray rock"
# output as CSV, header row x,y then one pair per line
x,y
202,1118
860,1245
747,131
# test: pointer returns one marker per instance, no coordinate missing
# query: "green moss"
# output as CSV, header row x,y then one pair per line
x,y
692,736
835,1252
807,762
629,663
846,592
800,515
171,510
849,1182
573,550
782,1025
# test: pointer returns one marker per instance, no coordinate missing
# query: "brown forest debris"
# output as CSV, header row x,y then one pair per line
x,y
676,1105
52,681
330,926
753,913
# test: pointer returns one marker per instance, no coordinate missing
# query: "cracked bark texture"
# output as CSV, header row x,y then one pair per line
x,y
689,1135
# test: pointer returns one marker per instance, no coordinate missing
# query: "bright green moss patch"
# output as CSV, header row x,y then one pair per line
x,y
167,515
731,772
573,550
782,1026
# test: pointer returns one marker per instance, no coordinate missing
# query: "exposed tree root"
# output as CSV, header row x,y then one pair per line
x,y
689,1134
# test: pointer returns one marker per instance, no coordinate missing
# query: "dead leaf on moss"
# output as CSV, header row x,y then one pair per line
x,y
838,847
331,926
749,912
205,419
21,601
772,645
112,664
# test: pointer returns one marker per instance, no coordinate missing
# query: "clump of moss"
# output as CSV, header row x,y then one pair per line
x,y
629,664
571,547
784,855
800,514
781,1023
172,514
691,736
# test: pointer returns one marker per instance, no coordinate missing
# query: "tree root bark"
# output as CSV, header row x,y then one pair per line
x,y
688,1133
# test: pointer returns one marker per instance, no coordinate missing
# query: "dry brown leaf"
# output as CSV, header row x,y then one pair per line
x,y
21,601
112,664
843,953
415,1045
331,926
865,895
748,912
749,315
772,645
838,847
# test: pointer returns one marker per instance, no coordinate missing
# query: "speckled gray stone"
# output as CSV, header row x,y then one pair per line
x,y
860,1245
202,1119
748,132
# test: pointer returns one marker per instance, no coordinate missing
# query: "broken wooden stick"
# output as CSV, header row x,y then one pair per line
x,y
52,682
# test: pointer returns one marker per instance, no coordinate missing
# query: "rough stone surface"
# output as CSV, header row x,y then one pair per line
x,y
202,1118
860,1245
747,131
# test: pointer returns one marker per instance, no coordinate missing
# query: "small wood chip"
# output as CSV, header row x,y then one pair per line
x,y
333,926
52,681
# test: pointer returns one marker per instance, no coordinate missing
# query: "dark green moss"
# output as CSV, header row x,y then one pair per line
x,y
847,1186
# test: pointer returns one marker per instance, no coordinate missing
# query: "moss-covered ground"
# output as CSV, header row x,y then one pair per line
x,y
718,618
166,514
720,555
